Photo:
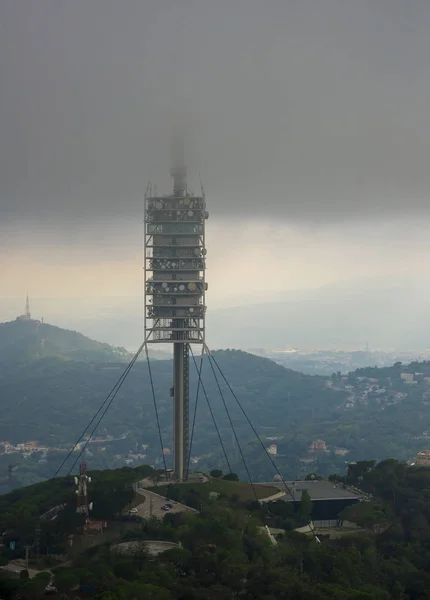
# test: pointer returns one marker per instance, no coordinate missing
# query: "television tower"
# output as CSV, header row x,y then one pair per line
x,y
175,288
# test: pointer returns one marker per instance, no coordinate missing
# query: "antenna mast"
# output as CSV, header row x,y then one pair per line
x,y
27,308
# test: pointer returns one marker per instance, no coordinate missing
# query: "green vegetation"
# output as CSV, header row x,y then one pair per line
x,y
21,509
224,551
192,493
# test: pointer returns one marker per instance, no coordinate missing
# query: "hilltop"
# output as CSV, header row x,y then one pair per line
x,y
24,340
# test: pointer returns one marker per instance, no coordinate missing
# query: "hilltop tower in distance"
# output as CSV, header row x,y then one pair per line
x,y
27,315
175,288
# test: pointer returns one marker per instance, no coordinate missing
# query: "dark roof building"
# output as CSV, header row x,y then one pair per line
x,y
318,489
328,499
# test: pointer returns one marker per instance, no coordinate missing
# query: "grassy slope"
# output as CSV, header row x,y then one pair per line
x,y
228,488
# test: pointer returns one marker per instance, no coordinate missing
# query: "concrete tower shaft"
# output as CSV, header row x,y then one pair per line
x,y
175,288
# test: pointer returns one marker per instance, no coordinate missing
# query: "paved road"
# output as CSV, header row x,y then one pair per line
x,y
154,502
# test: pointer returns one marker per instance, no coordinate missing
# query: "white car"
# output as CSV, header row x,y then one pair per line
x,y
133,511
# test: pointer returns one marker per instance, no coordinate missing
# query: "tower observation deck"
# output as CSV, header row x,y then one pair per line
x,y
175,289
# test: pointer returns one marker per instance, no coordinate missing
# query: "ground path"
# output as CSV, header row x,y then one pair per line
x,y
153,503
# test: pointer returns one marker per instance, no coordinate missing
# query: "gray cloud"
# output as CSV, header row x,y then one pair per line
x,y
310,110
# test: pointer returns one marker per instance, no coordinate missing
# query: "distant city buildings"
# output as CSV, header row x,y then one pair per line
x,y
318,446
328,361
272,449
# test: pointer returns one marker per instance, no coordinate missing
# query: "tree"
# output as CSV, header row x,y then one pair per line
x,y
217,473
370,515
306,505
66,579
356,471
156,477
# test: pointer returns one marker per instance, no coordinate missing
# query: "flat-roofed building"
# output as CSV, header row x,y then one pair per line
x,y
328,499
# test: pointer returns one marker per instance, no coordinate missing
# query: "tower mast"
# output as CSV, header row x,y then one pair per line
x,y
27,308
175,288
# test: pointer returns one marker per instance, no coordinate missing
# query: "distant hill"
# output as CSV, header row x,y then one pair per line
x,y
51,400
24,340
60,379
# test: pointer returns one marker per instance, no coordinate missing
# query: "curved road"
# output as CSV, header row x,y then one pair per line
x,y
154,502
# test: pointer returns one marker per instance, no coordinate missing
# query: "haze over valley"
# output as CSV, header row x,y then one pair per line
x,y
388,314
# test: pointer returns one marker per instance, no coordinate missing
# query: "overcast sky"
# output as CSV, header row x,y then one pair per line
x,y
308,121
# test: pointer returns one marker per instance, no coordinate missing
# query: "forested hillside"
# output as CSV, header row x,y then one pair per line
x,y
51,399
24,340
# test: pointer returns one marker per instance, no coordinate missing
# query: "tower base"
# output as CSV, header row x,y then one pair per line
x,y
180,411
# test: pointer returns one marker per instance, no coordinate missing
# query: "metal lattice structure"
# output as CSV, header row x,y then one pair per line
x,y
83,506
175,289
